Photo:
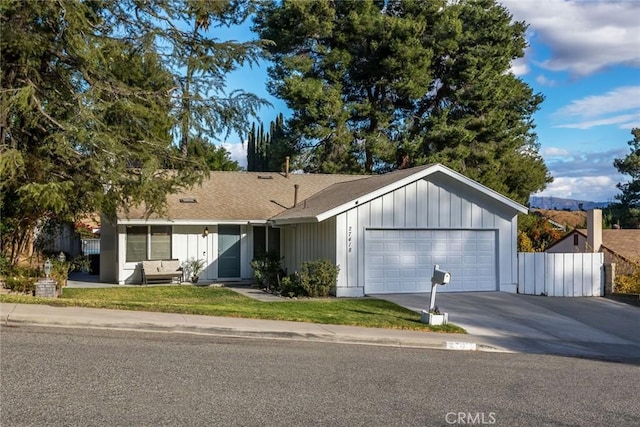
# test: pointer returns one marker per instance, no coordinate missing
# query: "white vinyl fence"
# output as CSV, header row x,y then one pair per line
x,y
561,274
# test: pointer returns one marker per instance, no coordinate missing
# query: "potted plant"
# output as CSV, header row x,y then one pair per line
x,y
434,317
192,268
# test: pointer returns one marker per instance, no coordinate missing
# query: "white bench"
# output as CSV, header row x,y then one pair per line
x,y
161,270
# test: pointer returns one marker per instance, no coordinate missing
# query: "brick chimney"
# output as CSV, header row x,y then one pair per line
x,y
594,230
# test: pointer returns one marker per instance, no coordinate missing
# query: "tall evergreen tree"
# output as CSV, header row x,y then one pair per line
x,y
628,208
216,158
92,97
378,85
280,146
267,151
251,149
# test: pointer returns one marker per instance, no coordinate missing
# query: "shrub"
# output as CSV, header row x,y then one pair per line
x,y
266,268
21,279
292,287
628,283
60,269
5,265
318,278
21,284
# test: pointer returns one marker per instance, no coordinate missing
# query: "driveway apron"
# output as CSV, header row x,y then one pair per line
x,y
586,327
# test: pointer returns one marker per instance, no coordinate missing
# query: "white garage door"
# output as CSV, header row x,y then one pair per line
x,y
401,261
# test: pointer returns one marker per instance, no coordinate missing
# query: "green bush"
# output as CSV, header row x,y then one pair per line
x,y
266,268
292,287
318,278
5,265
22,279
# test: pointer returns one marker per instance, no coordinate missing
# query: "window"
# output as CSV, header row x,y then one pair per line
x,y
145,242
575,239
136,243
259,240
260,237
160,242
274,240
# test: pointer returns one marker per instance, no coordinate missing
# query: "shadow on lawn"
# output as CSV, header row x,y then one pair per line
x,y
394,316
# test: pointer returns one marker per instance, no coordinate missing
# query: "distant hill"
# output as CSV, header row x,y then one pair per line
x,y
570,220
559,204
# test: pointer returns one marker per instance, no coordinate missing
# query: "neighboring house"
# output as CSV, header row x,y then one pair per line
x,y
62,238
618,245
385,232
70,238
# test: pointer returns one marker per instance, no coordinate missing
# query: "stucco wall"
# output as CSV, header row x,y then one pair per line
x,y
566,245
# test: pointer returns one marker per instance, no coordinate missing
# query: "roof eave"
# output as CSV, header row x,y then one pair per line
x,y
482,188
299,220
420,175
164,221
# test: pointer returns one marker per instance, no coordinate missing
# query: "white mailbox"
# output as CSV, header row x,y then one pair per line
x,y
440,276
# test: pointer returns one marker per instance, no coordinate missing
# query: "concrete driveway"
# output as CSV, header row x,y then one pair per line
x,y
586,327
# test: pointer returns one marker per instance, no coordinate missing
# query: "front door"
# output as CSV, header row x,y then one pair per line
x,y
228,251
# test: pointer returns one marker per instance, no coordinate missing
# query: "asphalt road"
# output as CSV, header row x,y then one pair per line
x,y
55,376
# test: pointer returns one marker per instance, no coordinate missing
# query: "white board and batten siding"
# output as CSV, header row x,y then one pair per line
x,y
561,274
438,205
187,241
307,242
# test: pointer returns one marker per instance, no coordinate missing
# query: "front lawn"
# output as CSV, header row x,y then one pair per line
x,y
224,302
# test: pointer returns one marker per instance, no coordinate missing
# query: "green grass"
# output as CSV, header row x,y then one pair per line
x,y
227,303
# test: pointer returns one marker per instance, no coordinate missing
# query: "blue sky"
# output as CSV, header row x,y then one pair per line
x,y
584,57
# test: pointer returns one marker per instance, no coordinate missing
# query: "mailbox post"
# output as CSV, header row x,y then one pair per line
x,y
432,317
440,277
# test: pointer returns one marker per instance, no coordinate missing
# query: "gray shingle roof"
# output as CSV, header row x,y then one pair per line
x,y
260,196
340,193
242,196
624,242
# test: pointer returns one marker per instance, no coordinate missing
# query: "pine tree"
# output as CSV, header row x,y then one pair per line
x,y
93,97
267,151
376,86
628,209
251,149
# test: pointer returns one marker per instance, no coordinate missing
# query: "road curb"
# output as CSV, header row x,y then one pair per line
x,y
17,319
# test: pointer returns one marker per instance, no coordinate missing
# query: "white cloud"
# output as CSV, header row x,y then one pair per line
x,y
237,151
544,81
587,188
583,175
555,152
620,99
519,67
622,121
630,125
584,36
